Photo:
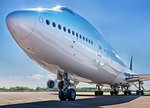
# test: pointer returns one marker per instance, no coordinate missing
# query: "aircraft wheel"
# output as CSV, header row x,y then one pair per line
x,y
111,93
129,92
116,93
125,92
71,94
62,97
137,92
142,92
100,93
96,93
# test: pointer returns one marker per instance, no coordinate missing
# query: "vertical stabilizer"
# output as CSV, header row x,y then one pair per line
x,y
131,63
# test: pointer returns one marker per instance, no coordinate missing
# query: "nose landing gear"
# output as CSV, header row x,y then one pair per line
x,y
64,92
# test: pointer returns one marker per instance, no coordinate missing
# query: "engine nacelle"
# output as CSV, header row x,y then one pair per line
x,y
52,84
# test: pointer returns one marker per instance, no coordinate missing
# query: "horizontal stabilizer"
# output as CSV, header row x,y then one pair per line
x,y
138,77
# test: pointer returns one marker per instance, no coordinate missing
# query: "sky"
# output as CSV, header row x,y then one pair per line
x,y
125,24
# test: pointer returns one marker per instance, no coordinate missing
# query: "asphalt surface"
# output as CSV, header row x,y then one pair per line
x,y
88,100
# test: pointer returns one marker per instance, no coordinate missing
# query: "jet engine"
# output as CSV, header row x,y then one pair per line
x,y
52,84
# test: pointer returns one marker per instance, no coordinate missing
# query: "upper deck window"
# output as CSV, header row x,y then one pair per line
x,y
67,10
77,35
73,33
80,36
47,22
89,41
69,31
64,28
83,38
54,24
86,39
59,26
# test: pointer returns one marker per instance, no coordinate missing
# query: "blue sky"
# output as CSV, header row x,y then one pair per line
x,y
125,24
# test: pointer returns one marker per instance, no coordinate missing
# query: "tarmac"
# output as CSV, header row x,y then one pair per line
x,y
88,100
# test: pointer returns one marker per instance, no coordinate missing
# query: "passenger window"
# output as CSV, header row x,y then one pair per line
x,y
92,42
54,24
89,41
83,38
77,35
47,22
64,28
80,36
59,26
86,40
72,32
69,31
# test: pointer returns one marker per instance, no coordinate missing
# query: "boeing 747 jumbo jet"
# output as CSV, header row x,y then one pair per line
x,y
67,45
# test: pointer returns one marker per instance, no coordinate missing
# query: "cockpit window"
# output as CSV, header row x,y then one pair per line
x,y
67,10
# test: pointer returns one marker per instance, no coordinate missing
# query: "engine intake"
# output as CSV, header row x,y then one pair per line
x,y
50,84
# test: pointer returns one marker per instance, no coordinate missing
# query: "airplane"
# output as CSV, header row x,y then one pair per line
x,y
66,44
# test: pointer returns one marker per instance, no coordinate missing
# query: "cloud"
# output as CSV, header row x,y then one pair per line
x,y
31,81
35,76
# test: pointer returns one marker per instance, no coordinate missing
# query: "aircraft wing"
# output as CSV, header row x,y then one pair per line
x,y
138,77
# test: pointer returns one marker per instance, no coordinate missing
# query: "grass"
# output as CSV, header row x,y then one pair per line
x,y
39,89
77,90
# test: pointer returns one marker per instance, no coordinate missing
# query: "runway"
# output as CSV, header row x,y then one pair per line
x,y
50,100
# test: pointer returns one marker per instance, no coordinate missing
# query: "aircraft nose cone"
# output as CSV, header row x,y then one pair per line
x,y
20,24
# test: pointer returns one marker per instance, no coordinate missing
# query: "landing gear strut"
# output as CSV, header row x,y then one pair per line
x,y
64,92
99,92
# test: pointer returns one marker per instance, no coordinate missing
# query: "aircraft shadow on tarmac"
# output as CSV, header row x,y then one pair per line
x,y
92,101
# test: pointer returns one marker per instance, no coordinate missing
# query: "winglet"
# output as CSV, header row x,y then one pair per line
x,y
131,63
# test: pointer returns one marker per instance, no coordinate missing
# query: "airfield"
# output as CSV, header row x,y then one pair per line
x,y
50,100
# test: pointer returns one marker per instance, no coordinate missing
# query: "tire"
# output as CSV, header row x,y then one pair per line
x,y
137,92
116,93
62,97
100,93
71,94
111,93
125,92
96,93
142,92
129,92
60,85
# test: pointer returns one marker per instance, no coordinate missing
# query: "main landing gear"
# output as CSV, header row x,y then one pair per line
x,y
99,92
115,90
64,92
127,91
139,91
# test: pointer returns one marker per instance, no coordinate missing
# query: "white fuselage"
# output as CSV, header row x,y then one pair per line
x,y
58,50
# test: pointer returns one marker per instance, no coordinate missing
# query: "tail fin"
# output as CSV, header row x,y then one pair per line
x,y
131,63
